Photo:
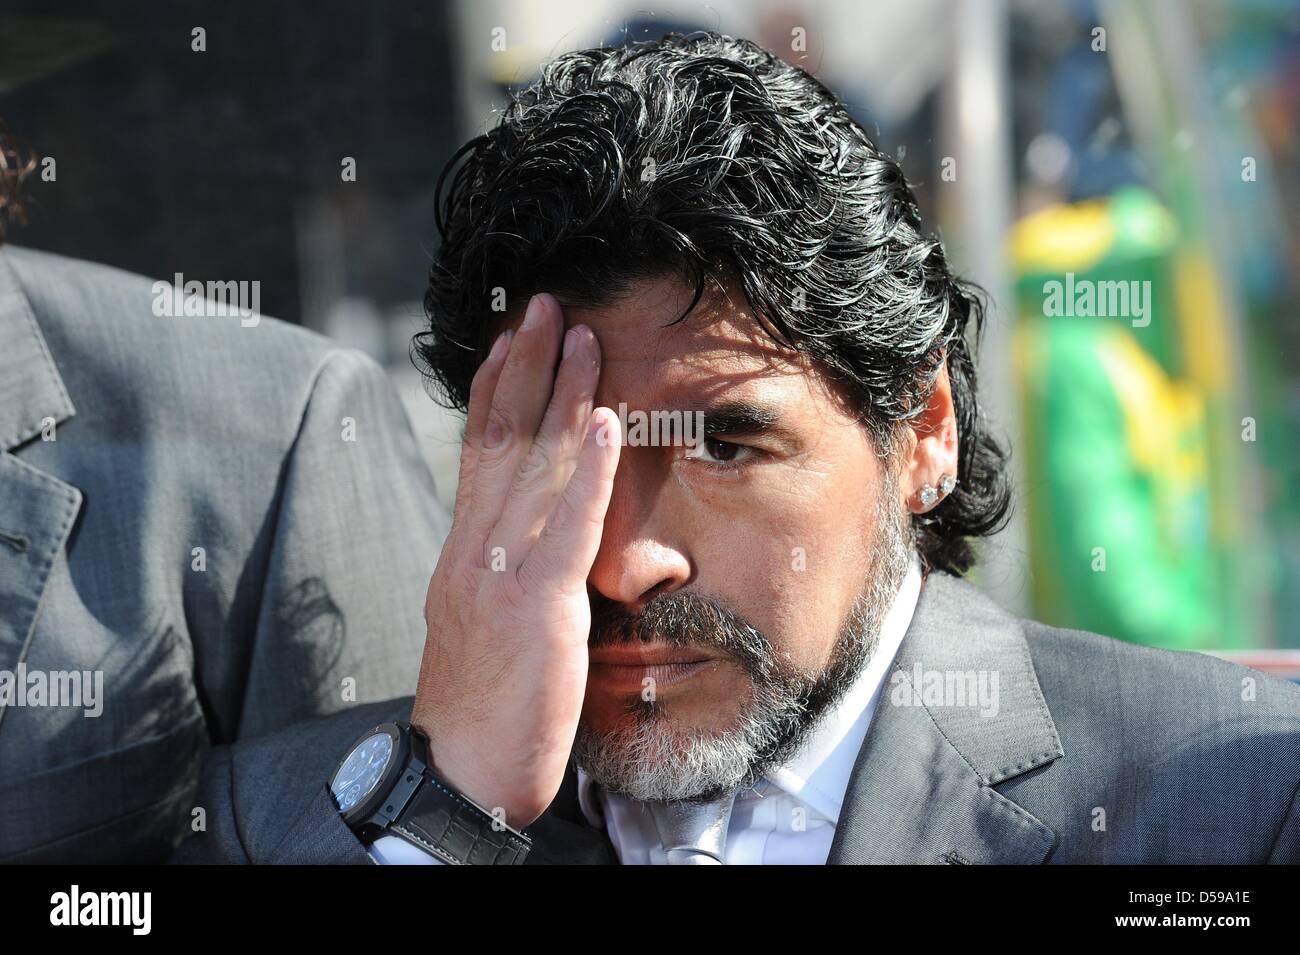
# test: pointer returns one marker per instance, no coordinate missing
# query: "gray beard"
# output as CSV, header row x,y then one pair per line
x,y
651,759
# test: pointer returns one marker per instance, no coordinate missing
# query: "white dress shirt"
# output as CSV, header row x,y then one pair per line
x,y
789,816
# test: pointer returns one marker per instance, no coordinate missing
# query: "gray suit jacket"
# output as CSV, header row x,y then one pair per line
x,y
1097,752
198,532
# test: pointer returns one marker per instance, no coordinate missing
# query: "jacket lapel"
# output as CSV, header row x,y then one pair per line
x,y
921,790
37,510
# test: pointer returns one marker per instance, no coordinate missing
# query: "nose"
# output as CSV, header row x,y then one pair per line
x,y
638,558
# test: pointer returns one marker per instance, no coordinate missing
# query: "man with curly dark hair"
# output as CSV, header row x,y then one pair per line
x,y
747,641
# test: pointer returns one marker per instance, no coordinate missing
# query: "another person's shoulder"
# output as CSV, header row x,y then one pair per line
x,y
115,336
98,315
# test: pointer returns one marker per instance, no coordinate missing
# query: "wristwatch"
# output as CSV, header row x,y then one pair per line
x,y
384,786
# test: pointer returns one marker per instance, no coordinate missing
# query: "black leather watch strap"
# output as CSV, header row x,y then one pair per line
x,y
441,821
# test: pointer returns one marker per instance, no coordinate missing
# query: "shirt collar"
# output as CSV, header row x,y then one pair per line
x,y
818,774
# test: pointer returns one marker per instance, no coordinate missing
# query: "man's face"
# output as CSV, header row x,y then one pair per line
x,y
770,549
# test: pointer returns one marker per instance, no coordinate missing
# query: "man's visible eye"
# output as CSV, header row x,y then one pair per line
x,y
721,454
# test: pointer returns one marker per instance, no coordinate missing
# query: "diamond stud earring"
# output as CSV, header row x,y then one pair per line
x,y
930,494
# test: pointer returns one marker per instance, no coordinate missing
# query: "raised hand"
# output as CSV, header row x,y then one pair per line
x,y
505,661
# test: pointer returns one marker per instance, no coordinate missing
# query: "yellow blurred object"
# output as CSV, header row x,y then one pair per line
x,y
1063,238
1159,412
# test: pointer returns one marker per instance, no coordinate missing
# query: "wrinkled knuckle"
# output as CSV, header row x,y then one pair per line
x,y
493,447
537,468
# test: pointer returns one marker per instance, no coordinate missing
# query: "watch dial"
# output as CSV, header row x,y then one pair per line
x,y
362,770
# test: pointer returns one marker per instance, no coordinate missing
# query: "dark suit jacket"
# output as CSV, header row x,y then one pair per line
x,y
1099,752
128,441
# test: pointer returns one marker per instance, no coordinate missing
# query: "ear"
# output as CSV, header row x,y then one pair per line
x,y
932,465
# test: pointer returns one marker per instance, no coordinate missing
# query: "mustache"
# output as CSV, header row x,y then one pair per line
x,y
683,620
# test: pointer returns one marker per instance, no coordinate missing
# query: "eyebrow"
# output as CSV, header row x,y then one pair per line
x,y
744,418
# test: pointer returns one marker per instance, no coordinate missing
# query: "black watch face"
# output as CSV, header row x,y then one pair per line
x,y
362,770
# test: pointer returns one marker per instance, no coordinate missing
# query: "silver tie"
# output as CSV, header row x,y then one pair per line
x,y
693,833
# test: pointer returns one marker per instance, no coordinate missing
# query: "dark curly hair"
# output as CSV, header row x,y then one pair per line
x,y
706,155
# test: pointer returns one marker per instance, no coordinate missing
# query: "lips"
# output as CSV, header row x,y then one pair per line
x,y
627,669
643,656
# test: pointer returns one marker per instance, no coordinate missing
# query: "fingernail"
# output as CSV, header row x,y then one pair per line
x,y
598,428
499,345
570,341
533,314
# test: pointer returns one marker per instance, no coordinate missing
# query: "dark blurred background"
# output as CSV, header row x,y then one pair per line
x,y
227,162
